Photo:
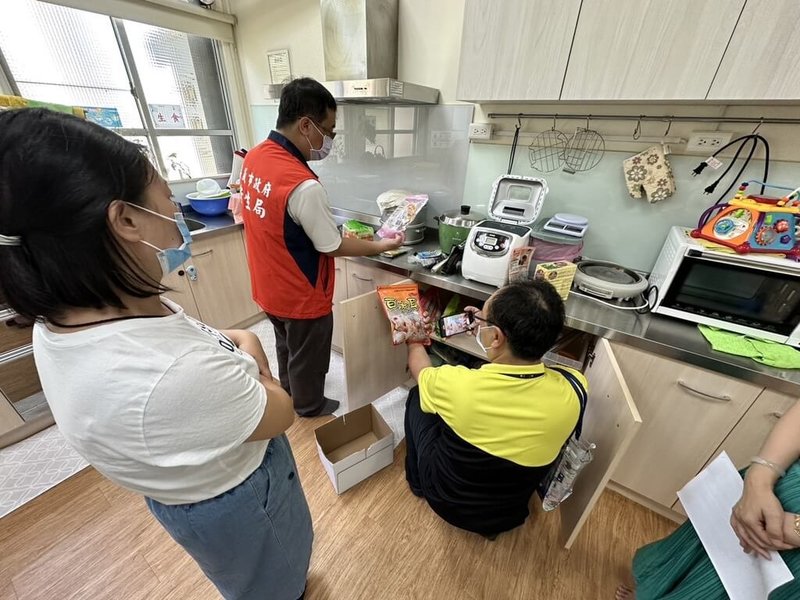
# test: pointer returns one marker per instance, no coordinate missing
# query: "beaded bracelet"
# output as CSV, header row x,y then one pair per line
x,y
757,460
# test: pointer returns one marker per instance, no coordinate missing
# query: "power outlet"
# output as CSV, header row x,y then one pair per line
x,y
707,142
480,131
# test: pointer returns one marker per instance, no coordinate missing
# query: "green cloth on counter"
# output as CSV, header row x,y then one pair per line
x,y
769,353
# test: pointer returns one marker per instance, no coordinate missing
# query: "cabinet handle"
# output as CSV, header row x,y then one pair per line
x,y
203,253
776,414
363,278
691,390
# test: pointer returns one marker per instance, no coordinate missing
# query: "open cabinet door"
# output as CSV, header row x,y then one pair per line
x,y
372,365
611,422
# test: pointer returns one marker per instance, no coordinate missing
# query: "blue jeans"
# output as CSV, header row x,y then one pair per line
x,y
254,541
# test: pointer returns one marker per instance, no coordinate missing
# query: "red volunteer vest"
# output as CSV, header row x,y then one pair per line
x,y
290,279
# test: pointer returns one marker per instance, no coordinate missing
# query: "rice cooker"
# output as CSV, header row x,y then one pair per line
x,y
515,203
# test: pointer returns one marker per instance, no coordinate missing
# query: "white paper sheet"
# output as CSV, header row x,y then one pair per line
x,y
708,500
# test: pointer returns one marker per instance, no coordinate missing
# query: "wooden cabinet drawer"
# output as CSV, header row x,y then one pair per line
x,y
687,412
362,279
11,335
19,379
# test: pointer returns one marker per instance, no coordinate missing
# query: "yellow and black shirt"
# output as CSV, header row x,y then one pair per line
x,y
502,428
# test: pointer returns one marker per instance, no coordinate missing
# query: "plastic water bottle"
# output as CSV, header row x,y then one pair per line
x,y
577,455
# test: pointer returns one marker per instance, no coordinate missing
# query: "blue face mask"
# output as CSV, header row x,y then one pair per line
x,y
171,259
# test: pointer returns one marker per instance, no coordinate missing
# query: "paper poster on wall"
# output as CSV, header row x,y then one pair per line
x,y
107,117
167,116
279,68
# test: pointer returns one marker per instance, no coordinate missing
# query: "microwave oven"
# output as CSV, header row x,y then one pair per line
x,y
757,295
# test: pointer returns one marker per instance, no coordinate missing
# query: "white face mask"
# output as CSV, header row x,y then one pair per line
x,y
478,337
325,149
171,258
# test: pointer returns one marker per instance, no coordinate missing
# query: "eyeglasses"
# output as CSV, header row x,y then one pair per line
x,y
472,317
329,132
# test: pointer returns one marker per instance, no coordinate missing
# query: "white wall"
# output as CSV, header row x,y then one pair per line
x,y
428,47
265,25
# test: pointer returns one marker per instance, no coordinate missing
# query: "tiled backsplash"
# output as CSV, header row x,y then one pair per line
x,y
422,149
621,229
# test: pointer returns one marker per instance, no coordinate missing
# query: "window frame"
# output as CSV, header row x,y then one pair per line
x,y
150,132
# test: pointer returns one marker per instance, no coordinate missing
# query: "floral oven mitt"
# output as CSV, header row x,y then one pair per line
x,y
649,171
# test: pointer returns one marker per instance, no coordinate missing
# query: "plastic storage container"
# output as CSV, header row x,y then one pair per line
x,y
550,246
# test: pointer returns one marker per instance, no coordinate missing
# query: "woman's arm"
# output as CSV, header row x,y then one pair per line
x,y
758,517
278,415
248,342
418,359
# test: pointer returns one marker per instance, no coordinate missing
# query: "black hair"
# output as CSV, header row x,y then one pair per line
x,y
530,314
58,176
304,97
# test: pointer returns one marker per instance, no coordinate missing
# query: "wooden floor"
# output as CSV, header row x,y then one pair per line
x,y
88,539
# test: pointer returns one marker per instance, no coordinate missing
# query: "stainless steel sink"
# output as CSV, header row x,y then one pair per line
x,y
194,225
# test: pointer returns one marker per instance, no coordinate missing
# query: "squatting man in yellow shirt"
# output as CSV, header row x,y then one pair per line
x,y
479,441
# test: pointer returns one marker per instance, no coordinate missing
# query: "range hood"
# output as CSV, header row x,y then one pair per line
x,y
360,50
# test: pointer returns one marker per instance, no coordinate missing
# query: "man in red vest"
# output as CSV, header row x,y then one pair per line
x,y
292,238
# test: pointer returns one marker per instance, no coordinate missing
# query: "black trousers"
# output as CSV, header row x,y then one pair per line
x,y
422,430
304,355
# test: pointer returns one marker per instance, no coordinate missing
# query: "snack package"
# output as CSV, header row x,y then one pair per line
x,y
357,230
520,264
402,216
426,258
560,274
402,306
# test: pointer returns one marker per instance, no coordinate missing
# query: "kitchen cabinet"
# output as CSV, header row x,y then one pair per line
x,y
746,439
649,49
222,288
373,367
23,408
220,295
515,49
762,57
354,279
339,294
180,292
365,278
687,413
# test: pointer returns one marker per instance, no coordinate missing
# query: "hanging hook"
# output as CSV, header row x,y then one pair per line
x,y
760,123
669,126
519,120
555,116
588,117
637,133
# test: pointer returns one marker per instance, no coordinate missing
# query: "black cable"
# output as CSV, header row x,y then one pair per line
x,y
647,298
711,187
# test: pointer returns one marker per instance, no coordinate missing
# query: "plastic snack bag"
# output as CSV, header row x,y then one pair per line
x,y
357,230
402,306
402,216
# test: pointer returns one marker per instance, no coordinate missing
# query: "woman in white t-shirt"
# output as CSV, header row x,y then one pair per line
x,y
161,404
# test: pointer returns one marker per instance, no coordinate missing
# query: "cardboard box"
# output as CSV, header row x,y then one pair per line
x,y
354,446
560,274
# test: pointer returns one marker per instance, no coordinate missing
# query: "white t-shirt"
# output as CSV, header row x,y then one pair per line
x,y
161,406
308,207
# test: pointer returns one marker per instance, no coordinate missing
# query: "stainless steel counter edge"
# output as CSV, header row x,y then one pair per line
x,y
659,335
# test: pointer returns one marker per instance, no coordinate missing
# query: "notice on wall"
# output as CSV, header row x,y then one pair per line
x,y
167,116
107,117
279,69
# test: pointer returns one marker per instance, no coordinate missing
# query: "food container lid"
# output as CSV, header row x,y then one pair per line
x,y
517,199
463,217
538,232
